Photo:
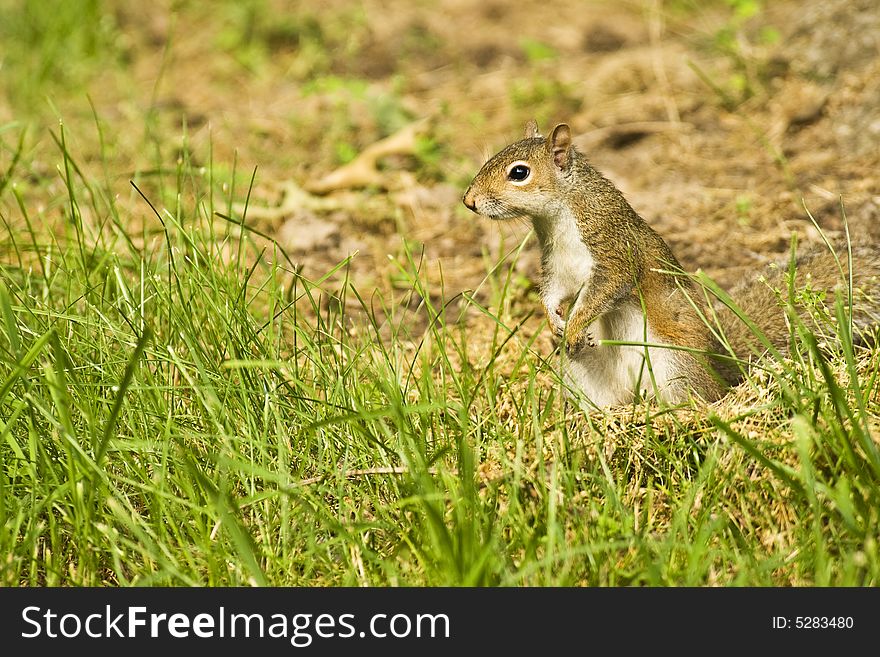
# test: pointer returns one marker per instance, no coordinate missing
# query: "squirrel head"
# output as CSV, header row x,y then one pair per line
x,y
523,178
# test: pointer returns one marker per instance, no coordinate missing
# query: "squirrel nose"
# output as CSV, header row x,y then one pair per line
x,y
469,201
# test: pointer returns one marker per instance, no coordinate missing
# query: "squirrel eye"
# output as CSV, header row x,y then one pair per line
x,y
518,172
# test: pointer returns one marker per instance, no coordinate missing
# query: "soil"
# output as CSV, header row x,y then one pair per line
x,y
652,91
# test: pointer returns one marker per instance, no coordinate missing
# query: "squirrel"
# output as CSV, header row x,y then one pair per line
x,y
612,286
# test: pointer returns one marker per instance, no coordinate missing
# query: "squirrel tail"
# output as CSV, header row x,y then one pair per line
x,y
820,275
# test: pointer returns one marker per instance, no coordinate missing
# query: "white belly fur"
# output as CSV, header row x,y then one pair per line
x,y
609,375
570,265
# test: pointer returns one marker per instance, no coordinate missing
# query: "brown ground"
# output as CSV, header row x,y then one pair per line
x,y
724,177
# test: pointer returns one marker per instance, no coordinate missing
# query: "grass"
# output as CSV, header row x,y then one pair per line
x,y
180,404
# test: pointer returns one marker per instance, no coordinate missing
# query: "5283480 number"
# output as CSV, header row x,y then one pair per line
x,y
823,622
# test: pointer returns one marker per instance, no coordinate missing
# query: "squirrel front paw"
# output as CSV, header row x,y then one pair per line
x,y
577,344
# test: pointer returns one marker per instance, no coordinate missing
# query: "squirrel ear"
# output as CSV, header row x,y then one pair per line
x,y
531,130
560,144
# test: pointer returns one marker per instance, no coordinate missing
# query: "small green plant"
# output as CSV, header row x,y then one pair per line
x,y
545,97
743,204
745,51
537,51
345,152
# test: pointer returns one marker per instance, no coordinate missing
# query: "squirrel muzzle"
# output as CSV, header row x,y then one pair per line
x,y
469,200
